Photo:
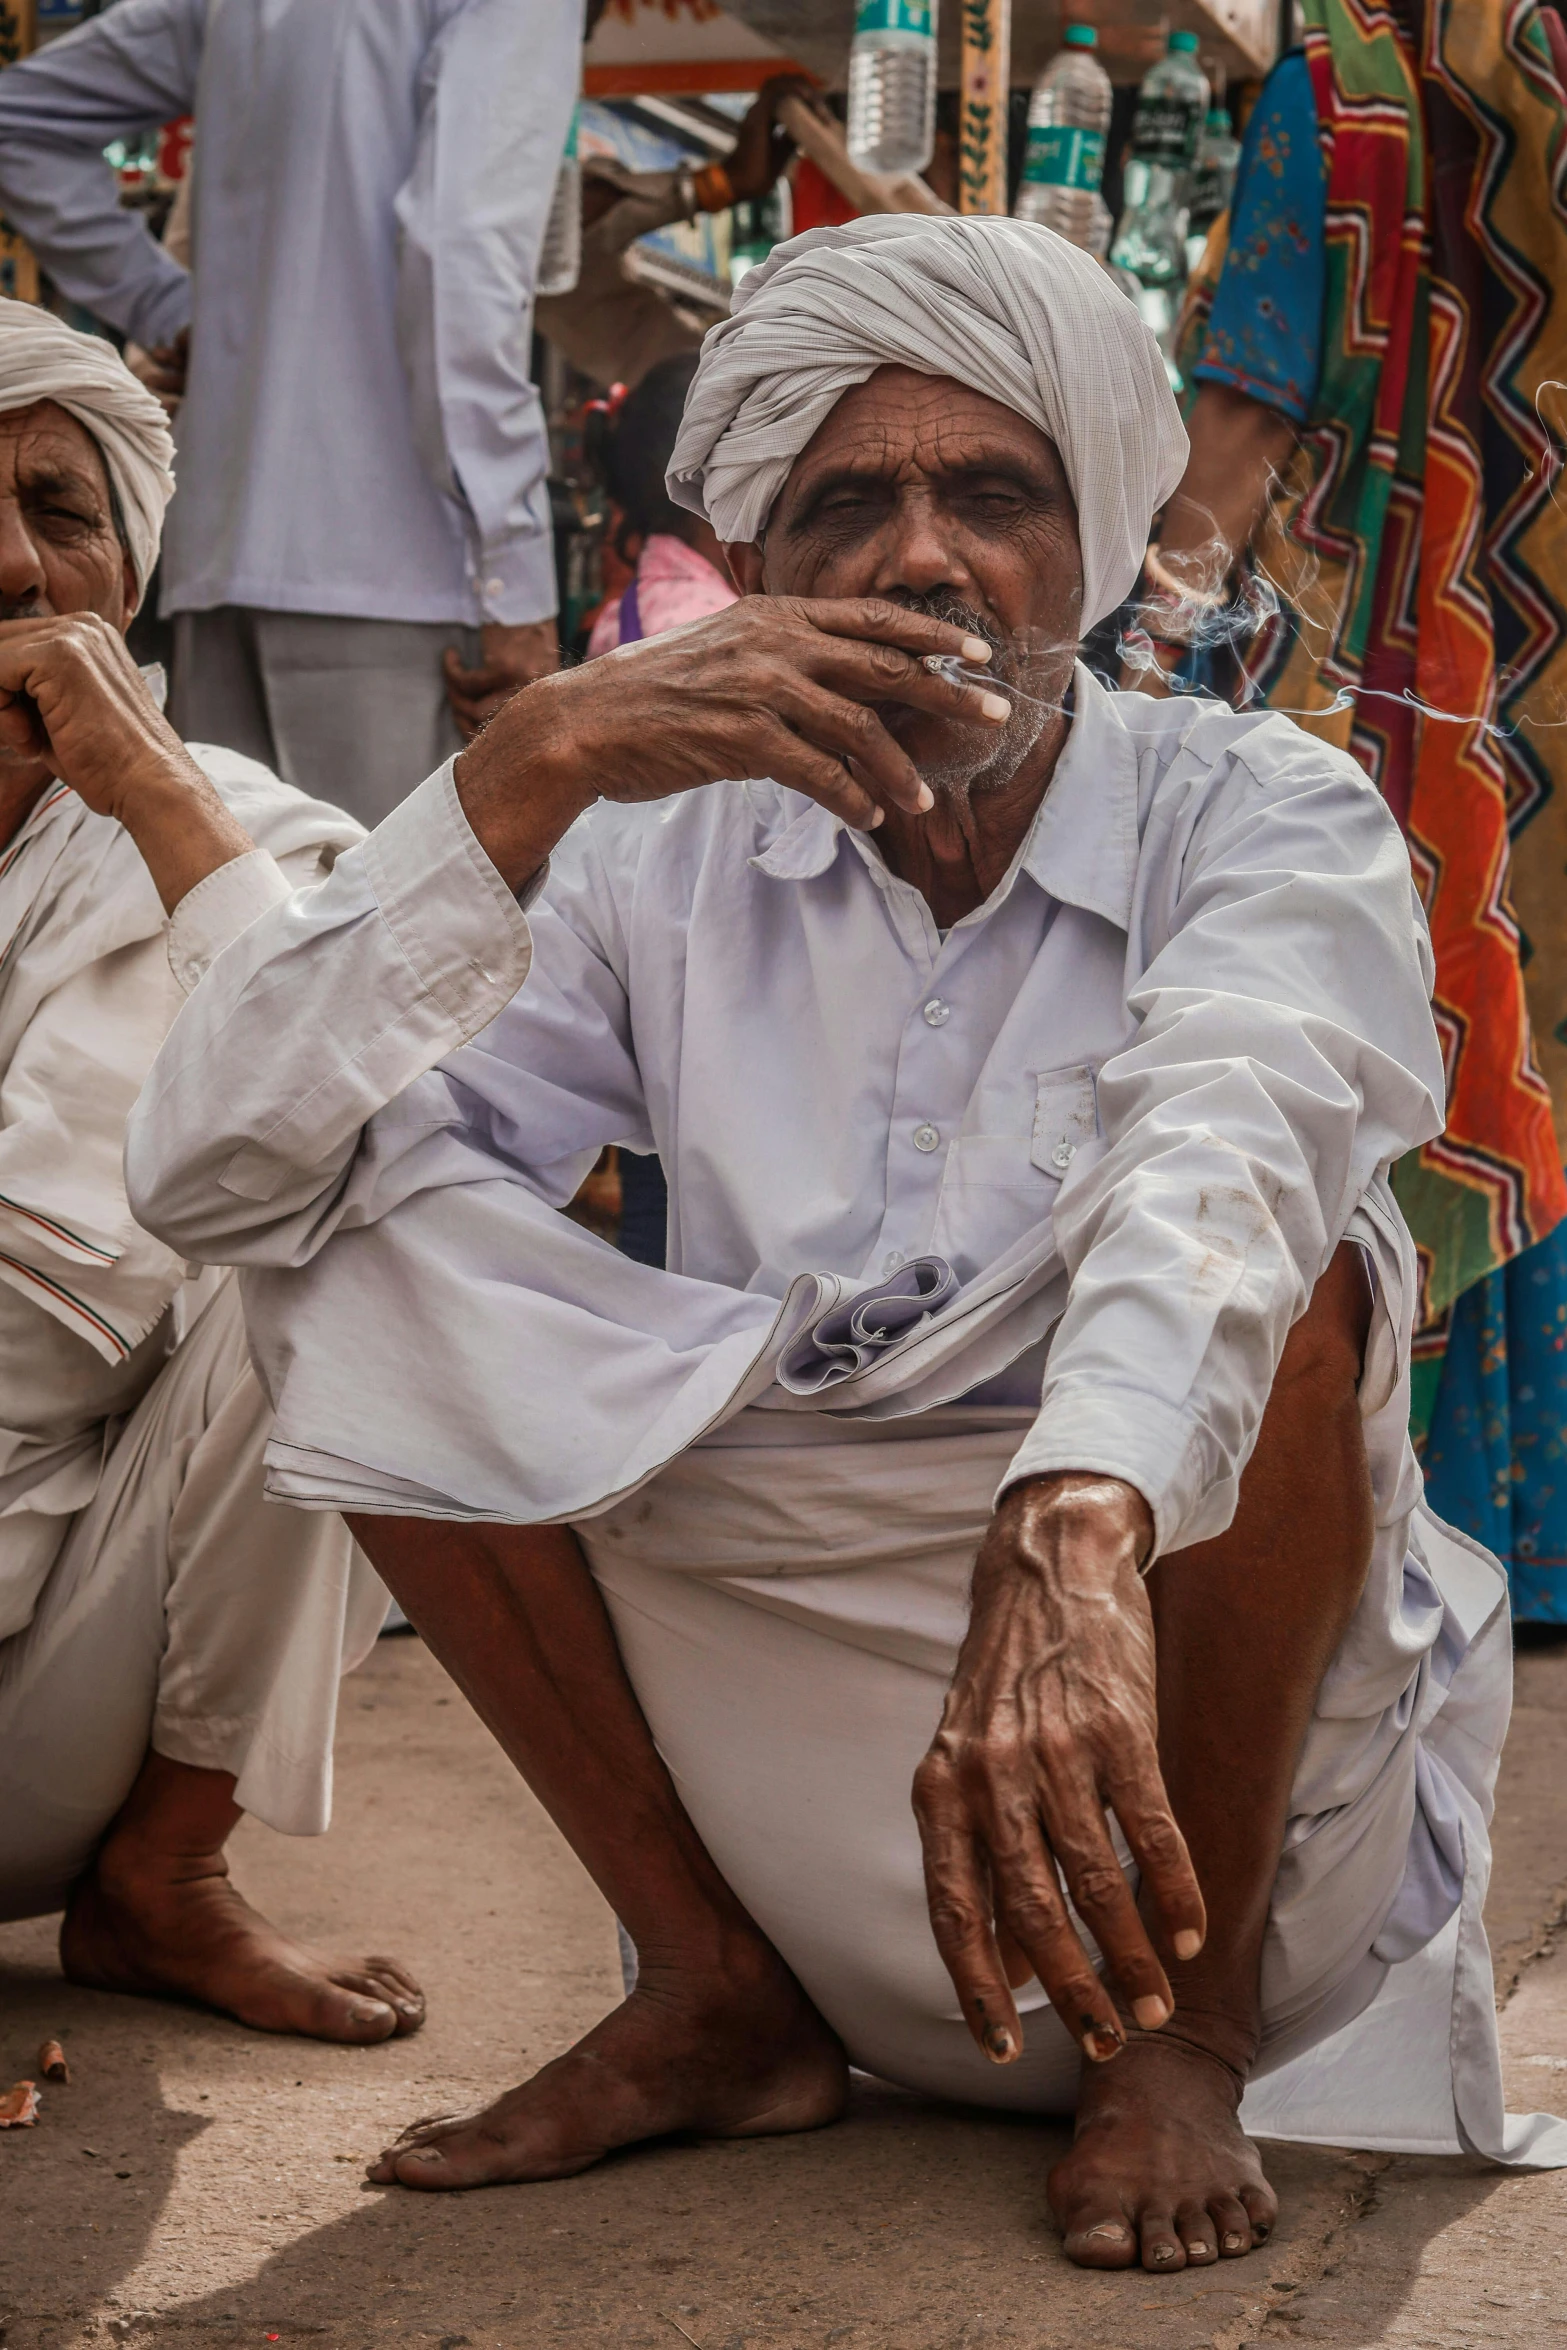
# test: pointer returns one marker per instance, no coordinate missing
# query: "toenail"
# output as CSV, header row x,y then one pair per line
x,y
1196,2251
1108,2228
424,2154
1233,2243
1164,2252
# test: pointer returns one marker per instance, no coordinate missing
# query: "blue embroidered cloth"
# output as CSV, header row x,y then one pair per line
x,y
1265,327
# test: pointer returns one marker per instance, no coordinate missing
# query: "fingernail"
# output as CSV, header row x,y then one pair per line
x,y
1150,2013
995,705
1000,2046
975,649
1187,1942
877,816
927,799
1102,2044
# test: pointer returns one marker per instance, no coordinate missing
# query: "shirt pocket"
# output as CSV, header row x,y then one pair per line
x,y
1066,1116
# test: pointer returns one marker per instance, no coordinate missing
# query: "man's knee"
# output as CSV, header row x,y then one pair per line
x,y
1326,1350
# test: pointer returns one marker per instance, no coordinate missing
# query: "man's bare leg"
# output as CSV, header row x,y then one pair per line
x,y
156,1913
717,2036
1246,1626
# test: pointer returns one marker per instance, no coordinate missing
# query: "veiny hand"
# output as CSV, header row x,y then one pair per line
x,y
784,686
74,704
163,369
1050,1720
511,657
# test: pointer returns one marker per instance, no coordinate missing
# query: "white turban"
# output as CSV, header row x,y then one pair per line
x,y
1012,310
41,358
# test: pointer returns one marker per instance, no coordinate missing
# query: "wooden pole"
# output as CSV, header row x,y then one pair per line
x,y
867,191
982,105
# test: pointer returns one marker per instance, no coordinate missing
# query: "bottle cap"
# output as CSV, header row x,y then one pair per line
x,y
1080,36
1218,118
1183,40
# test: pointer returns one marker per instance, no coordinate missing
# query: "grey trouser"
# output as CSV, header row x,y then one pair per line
x,y
351,711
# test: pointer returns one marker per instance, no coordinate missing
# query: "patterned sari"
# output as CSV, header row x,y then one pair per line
x,y
1421,559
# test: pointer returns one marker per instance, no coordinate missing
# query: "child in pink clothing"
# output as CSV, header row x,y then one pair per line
x,y
681,574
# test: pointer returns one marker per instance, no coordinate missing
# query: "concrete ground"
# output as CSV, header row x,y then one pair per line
x,y
200,2185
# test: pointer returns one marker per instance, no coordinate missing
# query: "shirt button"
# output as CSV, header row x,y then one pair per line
x,y
926,1138
1064,1153
893,1261
937,1014
494,587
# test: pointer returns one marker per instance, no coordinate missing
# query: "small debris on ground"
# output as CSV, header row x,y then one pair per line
x,y
52,2064
19,2107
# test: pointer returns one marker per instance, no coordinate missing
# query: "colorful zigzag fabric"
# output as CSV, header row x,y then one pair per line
x,y
1422,556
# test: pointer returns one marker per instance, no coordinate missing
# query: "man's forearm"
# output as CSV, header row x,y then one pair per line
x,y
520,783
182,830
1239,449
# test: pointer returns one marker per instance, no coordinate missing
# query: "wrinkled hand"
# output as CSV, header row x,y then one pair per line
x,y
74,704
762,147
163,369
510,658
774,685
1051,1720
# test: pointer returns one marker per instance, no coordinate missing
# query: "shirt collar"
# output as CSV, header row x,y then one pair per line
x,y
1082,846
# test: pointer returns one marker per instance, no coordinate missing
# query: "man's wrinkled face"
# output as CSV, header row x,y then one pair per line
x,y
59,550
920,490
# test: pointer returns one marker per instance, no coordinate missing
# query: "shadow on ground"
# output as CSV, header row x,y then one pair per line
x,y
222,2200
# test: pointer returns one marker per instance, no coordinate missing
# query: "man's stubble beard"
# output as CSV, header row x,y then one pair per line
x,y
995,757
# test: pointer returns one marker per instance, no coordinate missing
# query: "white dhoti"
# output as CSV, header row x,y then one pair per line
x,y
789,1596
185,1613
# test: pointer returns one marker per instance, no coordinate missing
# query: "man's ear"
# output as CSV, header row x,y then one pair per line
x,y
744,558
130,592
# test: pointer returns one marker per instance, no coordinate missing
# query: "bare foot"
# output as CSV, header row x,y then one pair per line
x,y
743,2055
1160,2170
176,1928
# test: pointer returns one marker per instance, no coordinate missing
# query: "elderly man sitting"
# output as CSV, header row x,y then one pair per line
x,y
1026,1061
170,1644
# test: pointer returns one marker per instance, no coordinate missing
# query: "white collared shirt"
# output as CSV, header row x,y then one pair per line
x,y
92,972
1132,1100
360,434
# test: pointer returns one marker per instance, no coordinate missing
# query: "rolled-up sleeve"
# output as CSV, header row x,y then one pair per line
x,y
1285,1055
118,77
496,98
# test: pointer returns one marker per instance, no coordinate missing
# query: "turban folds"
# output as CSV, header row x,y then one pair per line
x,y
1007,308
41,358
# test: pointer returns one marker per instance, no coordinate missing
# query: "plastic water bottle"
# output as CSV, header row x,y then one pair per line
x,y
892,86
1213,181
560,256
1068,118
1172,107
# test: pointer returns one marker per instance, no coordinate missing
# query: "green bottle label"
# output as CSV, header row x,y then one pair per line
x,y
893,16
1060,158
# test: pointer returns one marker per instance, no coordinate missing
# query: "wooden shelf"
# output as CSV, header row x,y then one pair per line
x,y
665,45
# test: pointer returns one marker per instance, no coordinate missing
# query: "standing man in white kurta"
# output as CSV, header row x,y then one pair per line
x,y
170,1642
360,557
1027,1062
